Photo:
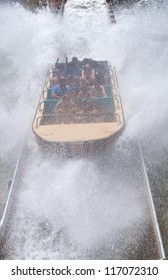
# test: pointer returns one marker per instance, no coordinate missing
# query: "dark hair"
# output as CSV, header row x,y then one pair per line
x,y
85,61
74,59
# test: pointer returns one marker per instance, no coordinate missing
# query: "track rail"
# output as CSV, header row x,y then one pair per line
x,y
152,206
11,184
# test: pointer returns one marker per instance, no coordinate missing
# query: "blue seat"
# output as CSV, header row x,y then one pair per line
x,y
49,93
106,103
49,106
104,63
108,90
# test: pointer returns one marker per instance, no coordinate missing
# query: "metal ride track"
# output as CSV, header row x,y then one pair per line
x,y
152,206
11,190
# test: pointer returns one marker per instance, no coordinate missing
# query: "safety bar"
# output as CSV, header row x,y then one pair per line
x,y
117,101
115,91
38,122
78,114
40,106
47,87
45,91
50,72
118,118
78,100
110,76
48,101
47,83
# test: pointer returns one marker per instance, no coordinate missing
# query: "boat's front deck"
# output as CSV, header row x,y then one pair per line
x,y
71,133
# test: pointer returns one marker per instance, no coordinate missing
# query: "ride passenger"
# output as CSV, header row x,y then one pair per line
x,y
74,67
93,63
99,90
60,90
56,79
86,89
88,72
100,73
57,63
74,82
68,110
65,105
87,81
85,61
63,69
77,65
97,68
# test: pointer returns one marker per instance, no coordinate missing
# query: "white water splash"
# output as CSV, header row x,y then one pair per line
x,y
64,211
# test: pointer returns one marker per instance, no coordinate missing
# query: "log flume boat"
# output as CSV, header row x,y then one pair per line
x,y
96,114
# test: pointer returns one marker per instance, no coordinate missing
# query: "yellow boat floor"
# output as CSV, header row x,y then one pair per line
x,y
78,132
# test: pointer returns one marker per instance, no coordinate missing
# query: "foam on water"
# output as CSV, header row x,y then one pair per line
x,y
71,209
28,46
